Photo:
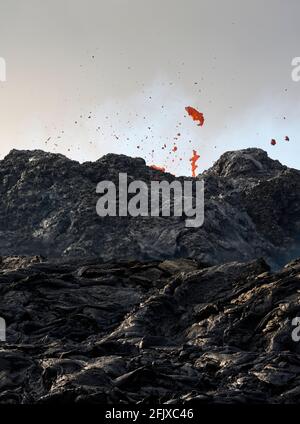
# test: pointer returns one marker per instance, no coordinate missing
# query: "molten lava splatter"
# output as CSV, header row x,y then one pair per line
x,y
273,142
158,168
197,116
193,161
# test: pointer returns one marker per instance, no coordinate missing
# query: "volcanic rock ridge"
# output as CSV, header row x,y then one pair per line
x,y
48,207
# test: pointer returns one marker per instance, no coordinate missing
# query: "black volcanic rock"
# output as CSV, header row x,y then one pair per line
x,y
249,163
252,206
84,331
110,310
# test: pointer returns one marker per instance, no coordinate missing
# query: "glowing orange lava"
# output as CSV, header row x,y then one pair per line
x,y
193,161
196,115
158,168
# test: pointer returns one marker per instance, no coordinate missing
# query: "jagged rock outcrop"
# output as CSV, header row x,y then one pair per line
x,y
171,331
47,207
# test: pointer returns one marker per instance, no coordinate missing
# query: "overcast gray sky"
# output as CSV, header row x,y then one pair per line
x,y
115,76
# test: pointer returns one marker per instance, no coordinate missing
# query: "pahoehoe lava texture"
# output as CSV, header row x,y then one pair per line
x,y
108,310
171,331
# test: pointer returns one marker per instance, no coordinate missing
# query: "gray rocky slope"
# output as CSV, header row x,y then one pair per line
x,y
145,309
48,202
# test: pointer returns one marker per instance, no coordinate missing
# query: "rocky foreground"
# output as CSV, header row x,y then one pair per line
x,y
169,331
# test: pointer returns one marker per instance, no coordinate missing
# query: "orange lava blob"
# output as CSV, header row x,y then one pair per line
x,y
158,168
196,115
193,161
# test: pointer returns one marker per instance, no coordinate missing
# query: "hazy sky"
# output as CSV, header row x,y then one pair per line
x,y
108,76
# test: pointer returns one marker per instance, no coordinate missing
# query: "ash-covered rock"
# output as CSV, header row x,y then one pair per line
x,y
48,207
173,331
